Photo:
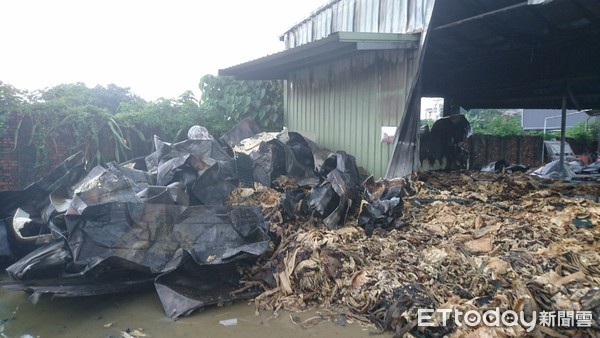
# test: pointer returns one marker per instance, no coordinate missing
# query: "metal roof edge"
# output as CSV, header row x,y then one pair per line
x,y
310,16
337,41
375,37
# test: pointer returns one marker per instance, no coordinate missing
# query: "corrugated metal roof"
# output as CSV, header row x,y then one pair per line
x,y
370,16
331,48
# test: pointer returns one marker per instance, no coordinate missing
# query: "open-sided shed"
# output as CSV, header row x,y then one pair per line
x,y
355,66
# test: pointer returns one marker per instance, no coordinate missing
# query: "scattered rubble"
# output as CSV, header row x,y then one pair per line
x,y
279,219
471,241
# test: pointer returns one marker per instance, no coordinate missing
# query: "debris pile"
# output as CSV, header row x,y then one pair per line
x,y
119,228
277,218
470,242
173,219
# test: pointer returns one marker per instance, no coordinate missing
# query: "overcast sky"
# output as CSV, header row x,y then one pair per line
x,y
157,48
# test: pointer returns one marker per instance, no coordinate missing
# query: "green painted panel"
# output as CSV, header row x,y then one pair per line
x,y
344,104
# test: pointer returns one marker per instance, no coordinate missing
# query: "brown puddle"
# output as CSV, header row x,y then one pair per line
x,y
109,316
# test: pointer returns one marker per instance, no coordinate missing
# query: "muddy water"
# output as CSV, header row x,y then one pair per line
x,y
108,316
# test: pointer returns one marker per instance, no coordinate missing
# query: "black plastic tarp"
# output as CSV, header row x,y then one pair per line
x,y
35,197
117,228
337,195
126,244
4,245
246,128
383,204
193,286
154,236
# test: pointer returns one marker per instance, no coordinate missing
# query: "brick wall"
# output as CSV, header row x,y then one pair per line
x,y
484,149
18,164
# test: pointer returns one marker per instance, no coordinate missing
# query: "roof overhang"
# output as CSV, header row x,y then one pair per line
x,y
335,46
514,53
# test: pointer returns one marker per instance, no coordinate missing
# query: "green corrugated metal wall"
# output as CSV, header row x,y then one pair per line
x,y
344,104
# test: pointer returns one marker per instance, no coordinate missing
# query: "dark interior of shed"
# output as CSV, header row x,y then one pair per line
x,y
514,54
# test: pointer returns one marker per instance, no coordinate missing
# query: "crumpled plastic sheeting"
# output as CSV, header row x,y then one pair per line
x,y
119,228
191,287
35,197
199,133
246,128
503,166
592,168
337,196
332,201
202,166
575,170
35,203
383,205
442,143
167,157
174,193
154,236
306,155
48,261
215,183
132,242
269,162
275,154
115,184
275,158
80,287
4,245
553,170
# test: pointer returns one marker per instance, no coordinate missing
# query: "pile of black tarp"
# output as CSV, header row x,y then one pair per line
x,y
161,220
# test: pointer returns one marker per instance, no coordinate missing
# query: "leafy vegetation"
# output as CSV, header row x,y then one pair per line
x,y
498,122
72,115
227,101
584,133
10,101
168,118
494,122
491,121
111,123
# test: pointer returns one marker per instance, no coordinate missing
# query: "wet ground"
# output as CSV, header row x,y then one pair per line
x,y
109,316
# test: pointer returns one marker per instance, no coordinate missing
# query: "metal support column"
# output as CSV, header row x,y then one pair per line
x,y
563,135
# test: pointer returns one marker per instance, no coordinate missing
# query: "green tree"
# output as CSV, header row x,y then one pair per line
x,y
72,115
70,95
584,133
494,122
168,118
111,123
11,100
112,96
504,126
226,101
